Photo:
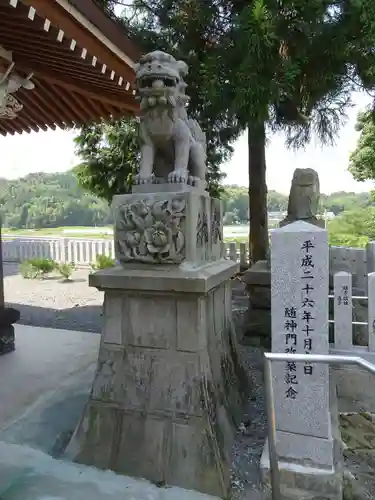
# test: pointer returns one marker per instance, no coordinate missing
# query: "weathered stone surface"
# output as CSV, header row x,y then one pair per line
x,y
167,227
8,316
304,198
7,343
354,384
304,481
299,287
343,311
171,393
173,147
358,434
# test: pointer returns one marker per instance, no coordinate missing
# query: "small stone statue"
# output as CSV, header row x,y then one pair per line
x,y
173,147
304,198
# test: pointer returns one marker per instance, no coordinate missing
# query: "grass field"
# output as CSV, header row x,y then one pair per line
x,y
239,234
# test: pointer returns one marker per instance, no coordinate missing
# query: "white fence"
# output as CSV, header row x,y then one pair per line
x,y
82,251
357,261
344,303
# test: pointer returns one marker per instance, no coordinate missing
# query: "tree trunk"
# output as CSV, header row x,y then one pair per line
x,y
258,237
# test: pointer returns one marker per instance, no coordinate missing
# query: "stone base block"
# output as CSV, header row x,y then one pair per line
x,y
7,343
258,284
316,470
169,388
8,316
302,482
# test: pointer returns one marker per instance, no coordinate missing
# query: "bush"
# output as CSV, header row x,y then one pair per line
x,y
347,240
45,266
34,268
102,262
66,269
29,271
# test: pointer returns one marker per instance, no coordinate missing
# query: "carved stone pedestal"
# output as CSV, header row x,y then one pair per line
x,y
170,224
169,388
167,391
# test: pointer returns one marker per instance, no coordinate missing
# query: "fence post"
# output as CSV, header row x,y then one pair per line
x,y
370,256
243,259
371,311
233,251
64,250
343,310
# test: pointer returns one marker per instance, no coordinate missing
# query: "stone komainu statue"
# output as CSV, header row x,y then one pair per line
x,y
304,198
173,147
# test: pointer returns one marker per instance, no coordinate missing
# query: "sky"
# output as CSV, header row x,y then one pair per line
x,y
54,151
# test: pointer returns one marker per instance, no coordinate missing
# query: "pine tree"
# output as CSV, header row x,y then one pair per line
x,y
261,66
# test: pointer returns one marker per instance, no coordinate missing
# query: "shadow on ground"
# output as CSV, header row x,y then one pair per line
x,y
81,318
10,269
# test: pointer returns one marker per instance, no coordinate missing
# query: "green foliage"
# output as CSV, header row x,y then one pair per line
x,y
43,200
341,201
47,201
362,159
38,267
44,265
353,228
110,156
347,240
66,269
28,270
102,262
291,65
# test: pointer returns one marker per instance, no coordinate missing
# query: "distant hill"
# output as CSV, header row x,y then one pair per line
x,y
42,200
50,200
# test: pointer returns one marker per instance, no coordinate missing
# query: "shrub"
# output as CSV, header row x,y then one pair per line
x,y
66,269
102,262
34,268
45,266
28,270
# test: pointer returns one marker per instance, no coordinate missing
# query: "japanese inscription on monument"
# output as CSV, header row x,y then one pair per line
x,y
299,291
343,310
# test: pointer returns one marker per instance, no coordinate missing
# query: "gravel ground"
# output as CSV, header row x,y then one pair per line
x,y
75,306
53,303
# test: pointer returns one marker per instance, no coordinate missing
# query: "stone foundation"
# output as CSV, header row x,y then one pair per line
x,y
169,390
8,316
258,286
302,480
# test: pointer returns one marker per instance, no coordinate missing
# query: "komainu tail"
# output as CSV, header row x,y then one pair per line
x,y
197,133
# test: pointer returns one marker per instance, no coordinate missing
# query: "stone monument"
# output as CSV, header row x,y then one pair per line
x,y
307,436
303,205
167,390
304,197
8,315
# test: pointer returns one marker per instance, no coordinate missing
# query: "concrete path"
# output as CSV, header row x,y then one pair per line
x,y
44,387
45,384
27,474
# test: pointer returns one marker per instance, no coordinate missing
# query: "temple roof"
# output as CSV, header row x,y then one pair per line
x,y
80,60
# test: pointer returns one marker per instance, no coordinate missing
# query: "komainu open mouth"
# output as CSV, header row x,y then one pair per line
x,y
157,82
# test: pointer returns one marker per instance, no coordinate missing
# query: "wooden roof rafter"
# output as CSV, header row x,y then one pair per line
x,y
73,84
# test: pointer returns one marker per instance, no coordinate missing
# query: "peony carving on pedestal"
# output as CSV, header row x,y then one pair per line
x,y
151,231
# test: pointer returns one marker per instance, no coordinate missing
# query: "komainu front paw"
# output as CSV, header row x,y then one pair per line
x,y
178,177
193,181
140,179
